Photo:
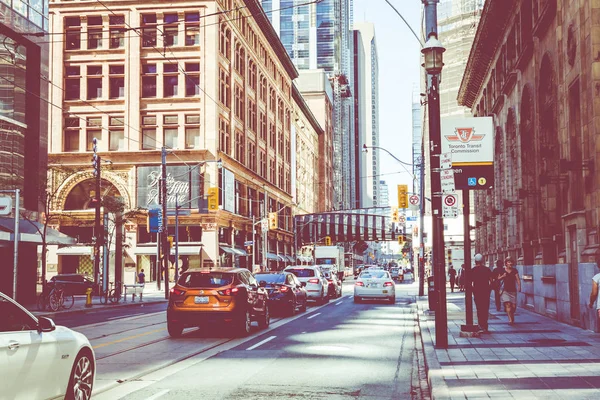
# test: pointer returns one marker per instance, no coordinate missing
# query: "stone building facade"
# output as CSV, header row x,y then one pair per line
x,y
535,67
208,86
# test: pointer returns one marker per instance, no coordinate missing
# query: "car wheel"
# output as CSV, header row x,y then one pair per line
x,y
356,299
82,377
265,319
325,298
244,323
175,330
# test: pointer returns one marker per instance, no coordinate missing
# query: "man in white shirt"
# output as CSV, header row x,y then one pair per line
x,y
594,294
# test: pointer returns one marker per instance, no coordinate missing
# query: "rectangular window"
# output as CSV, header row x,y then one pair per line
x,y
72,83
73,33
116,134
192,79
192,131
192,29
94,32
149,80
170,80
263,164
149,141
94,82
252,155
71,138
224,88
272,135
263,126
171,131
240,147
224,137
171,31
148,30
93,130
117,31
116,81
239,102
252,115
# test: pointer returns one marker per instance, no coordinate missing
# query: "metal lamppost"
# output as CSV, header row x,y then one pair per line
x,y
433,63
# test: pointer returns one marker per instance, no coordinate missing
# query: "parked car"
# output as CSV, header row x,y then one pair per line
x,y
374,284
39,360
286,292
334,288
316,284
229,295
73,284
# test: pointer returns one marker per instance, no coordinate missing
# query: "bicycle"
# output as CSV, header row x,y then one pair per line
x,y
59,299
102,295
115,293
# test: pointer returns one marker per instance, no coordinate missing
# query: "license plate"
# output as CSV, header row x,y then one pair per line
x,y
385,291
201,300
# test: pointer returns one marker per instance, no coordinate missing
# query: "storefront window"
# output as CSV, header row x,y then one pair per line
x,y
12,83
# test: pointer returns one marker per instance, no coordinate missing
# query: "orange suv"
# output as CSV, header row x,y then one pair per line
x,y
230,295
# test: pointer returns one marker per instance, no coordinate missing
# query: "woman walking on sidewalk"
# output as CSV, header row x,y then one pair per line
x,y
510,283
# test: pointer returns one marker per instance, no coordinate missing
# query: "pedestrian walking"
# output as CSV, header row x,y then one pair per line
x,y
510,284
462,279
141,277
481,277
594,294
499,270
452,277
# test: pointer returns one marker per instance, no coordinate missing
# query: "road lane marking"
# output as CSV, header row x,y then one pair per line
x,y
314,315
158,395
261,343
338,303
124,316
128,338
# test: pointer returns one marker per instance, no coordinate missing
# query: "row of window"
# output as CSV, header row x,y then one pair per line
x,y
97,77
168,31
151,135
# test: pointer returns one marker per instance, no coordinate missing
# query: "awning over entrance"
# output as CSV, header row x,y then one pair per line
x,y
228,250
271,256
240,252
290,258
75,251
29,231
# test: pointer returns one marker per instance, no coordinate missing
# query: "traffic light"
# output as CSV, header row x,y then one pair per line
x,y
402,196
170,240
273,220
327,240
395,215
401,239
213,198
449,256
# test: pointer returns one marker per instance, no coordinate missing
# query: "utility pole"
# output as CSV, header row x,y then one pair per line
x,y
422,222
265,232
165,230
96,161
433,64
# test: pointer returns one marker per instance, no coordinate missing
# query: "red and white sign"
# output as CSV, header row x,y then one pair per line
x,y
450,200
449,206
414,200
447,180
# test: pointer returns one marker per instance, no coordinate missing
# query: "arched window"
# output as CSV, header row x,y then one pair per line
x,y
80,197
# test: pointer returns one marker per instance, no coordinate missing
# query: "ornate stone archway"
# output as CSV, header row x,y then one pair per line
x,y
69,182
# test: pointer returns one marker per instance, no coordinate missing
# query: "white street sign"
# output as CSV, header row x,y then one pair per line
x,y
468,139
449,206
264,224
447,180
446,160
5,205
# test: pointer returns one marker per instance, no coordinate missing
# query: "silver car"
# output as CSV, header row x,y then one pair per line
x,y
316,284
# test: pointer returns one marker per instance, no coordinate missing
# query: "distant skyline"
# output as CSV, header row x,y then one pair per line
x,y
399,57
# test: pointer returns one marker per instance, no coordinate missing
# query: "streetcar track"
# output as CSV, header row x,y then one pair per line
x,y
125,330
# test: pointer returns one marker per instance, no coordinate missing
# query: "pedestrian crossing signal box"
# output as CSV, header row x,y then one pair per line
x,y
213,199
273,220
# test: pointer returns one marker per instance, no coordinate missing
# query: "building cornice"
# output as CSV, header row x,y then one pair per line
x,y
488,38
267,29
297,96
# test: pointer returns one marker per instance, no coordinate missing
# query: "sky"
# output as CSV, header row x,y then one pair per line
x,y
399,70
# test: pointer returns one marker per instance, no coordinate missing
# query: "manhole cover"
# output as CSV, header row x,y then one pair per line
x,y
547,341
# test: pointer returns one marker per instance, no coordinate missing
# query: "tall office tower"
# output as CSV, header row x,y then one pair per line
x,y
384,194
23,136
366,111
317,36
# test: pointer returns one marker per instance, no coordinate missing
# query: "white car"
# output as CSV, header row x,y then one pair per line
x,y
316,284
39,360
374,284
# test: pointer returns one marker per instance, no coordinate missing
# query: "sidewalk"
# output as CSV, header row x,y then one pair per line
x,y
535,358
151,295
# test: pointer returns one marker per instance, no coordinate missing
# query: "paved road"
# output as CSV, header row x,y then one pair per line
x,y
107,314
340,350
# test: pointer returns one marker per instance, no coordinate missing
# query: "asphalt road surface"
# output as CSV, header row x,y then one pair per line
x,y
340,350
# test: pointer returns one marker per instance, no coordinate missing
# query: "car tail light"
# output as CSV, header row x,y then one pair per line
x,y
177,292
388,284
330,280
228,292
359,284
313,281
284,289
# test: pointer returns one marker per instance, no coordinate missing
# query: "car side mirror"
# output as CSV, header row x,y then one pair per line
x,y
303,284
45,325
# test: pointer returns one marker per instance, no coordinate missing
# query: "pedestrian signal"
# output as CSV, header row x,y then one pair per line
x,y
213,198
395,215
402,196
401,239
273,220
327,240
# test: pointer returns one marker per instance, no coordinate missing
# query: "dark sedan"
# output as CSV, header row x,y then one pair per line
x,y
72,283
286,292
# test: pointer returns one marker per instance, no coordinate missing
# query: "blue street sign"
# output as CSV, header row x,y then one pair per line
x,y
411,218
154,220
249,243
472,181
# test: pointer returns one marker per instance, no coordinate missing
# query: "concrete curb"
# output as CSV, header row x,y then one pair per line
x,y
95,307
437,385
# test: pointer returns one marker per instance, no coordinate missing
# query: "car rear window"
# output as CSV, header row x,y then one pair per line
x,y
373,274
302,272
270,278
206,280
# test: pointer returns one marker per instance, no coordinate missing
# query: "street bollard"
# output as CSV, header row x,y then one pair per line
x,y
88,298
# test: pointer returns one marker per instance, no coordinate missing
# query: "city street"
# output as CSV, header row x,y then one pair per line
x,y
337,350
